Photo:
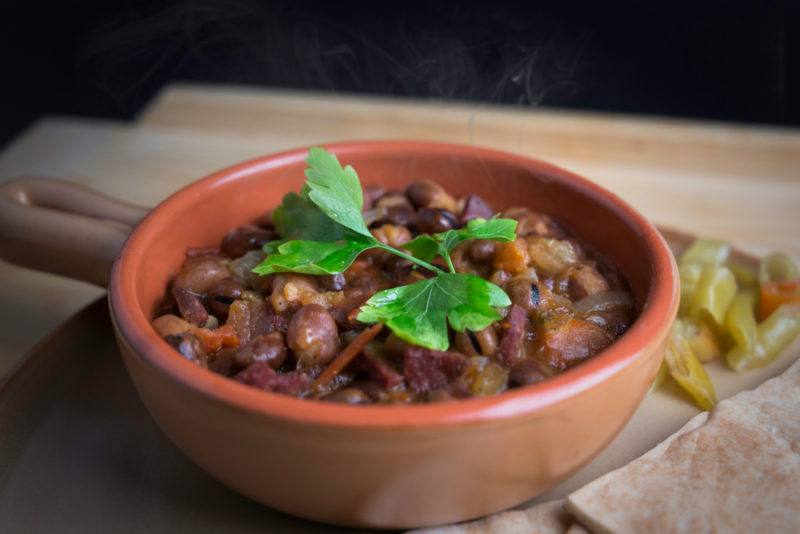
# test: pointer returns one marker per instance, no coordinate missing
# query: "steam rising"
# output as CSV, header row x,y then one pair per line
x,y
471,54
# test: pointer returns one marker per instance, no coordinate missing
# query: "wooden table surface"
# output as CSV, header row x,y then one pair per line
x,y
714,179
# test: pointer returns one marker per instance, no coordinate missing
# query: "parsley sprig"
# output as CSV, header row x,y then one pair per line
x,y
324,231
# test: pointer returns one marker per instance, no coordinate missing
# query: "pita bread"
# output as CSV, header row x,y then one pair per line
x,y
546,518
735,469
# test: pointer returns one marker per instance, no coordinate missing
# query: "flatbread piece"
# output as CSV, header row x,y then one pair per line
x,y
734,469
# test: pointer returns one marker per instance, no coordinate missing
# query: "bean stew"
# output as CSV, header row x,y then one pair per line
x,y
549,302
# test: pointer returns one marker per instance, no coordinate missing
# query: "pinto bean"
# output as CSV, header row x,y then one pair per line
x,y
371,195
332,282
393,199
392,235
482,250
288,290
237,242
475,207
189,347
222,294
487,340
427,194
171,325
200,273
268,348
313,336
435,220
534,223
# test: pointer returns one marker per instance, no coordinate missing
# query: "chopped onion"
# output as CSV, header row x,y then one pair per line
x,y
603,301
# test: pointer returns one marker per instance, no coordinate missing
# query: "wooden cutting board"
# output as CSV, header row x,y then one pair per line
x,y
712,179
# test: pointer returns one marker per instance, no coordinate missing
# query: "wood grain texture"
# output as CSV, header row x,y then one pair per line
x,y
734,182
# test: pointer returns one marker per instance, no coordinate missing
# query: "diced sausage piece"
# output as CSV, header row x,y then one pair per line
x,y
436,220
511,343
348,396
262,376
268,348
380,370
426,369
571,342
475,208
584,280
237,242
190,306
200,273
313,336
190,348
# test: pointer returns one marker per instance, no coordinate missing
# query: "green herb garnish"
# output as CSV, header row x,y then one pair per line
x,y
323,232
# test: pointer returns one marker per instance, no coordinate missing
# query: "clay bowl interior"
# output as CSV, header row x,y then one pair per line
x,y
400,466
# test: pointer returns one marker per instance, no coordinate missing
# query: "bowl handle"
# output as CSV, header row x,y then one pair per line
x,y
63,228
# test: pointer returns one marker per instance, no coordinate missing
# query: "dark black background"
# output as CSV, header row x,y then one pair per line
x,y
718,60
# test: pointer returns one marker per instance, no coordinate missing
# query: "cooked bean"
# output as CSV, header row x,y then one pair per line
x,y
268,348
425,194
171,325
288,289
390,200
475,207
332,282
463,344
313,336
348,396
392,235
222,294
487,340
189,347
237,242
283,330
435,220
526,372
200,273
533,223
242,268
371,195
401,215
482,251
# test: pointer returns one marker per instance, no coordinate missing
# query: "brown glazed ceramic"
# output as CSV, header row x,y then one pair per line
x,y
381,466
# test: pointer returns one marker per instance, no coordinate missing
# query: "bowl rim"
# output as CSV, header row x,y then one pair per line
x,y
651,326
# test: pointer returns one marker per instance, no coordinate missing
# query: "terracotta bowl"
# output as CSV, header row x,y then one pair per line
x,y
368,466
